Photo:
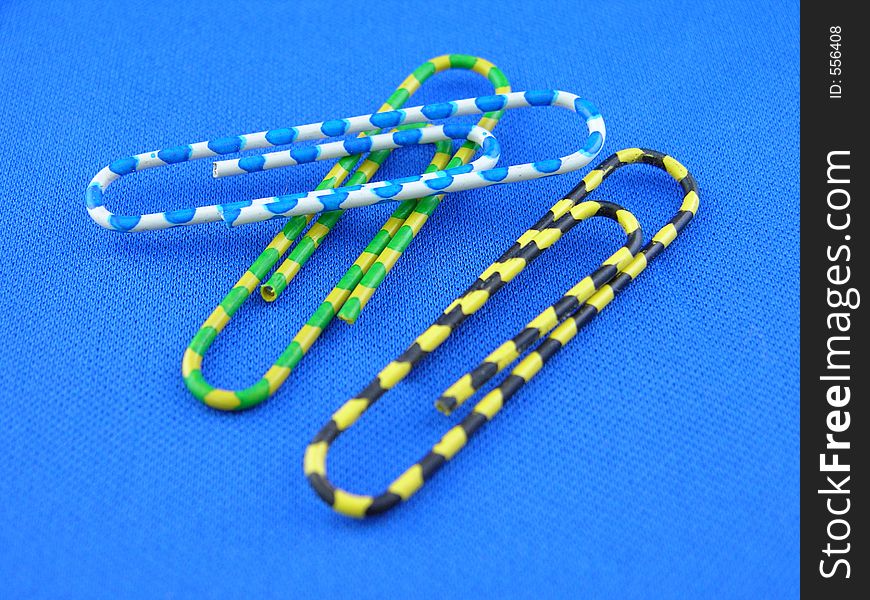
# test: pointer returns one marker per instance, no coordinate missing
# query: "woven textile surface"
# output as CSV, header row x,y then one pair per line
x,y
655,456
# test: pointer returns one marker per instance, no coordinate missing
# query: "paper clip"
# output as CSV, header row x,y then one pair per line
x,y
559,323
479,173
360,281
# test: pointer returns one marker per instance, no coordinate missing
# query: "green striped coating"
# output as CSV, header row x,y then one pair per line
x,y
304,250
312,239
390,254
276,375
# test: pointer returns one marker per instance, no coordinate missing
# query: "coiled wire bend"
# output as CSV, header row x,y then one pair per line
x,y
559,322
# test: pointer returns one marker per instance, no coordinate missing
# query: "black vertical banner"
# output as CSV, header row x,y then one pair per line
x,y
834,337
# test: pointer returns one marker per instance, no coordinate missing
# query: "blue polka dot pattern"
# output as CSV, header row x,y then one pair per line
x,y
540,97
252,164
441,110
123,222
181,216
305,155
408,137
496,175
94,196
226,145
389,190
490,103
548,166
490,146
441,182
358,145
280,137
481,172
333,201
334,128
124,166
386,119
175,155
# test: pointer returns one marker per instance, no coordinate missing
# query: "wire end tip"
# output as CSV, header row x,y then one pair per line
x,y
445,406
267,292
349,313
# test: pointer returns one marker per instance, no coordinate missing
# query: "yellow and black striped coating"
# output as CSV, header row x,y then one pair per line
x,y
562,321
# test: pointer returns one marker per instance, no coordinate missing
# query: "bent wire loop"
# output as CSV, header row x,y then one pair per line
x,y
560,323
360,281
478,173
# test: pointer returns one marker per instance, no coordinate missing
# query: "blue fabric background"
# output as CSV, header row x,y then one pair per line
x,y
657,456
